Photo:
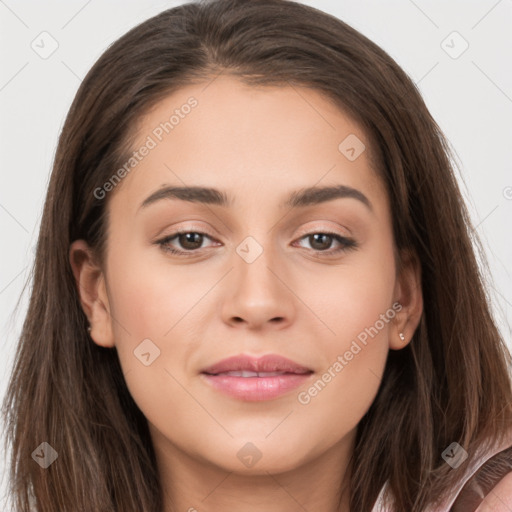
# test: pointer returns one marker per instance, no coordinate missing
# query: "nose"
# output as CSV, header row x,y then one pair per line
x,y
258,291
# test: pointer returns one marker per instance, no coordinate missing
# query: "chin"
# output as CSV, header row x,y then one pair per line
x,y
260,457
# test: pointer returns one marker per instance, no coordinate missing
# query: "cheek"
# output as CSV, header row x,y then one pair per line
x,y
358,311
354,360
158,309
151,305
337,400
354,295
148,298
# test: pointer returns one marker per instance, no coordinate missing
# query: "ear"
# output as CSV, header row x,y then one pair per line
x,y
409,294
92,291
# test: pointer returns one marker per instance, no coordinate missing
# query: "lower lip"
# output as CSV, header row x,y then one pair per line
x,y
257,388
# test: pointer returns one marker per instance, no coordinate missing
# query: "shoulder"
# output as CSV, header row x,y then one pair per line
x,y
490,487
499,499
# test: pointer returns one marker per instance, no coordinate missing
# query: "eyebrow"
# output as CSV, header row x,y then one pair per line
x,y
297,199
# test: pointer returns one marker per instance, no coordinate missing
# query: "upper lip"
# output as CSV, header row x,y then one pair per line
x,y
267,363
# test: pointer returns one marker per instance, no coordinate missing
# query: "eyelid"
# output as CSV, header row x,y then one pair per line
x,y
303,231
347,243
331,229
171,230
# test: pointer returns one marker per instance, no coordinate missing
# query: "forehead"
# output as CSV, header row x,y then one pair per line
x,y
256,143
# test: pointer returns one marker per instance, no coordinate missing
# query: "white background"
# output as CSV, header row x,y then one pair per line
x,y
469,96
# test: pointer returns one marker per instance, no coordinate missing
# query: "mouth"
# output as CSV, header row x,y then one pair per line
x,y
256,379
246,373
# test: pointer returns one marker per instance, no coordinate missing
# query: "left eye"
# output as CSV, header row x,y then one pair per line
x,y
191,241
322,238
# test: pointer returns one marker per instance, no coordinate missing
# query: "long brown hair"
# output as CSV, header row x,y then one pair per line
x,y
451,383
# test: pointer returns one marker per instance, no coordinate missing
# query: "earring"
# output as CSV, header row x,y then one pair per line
x,y
402,337
89,328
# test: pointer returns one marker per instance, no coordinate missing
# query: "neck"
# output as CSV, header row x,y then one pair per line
x,y
192,484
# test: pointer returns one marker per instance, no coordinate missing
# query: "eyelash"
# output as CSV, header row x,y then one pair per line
x,y
347,243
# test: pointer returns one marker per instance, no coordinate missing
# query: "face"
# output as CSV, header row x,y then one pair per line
x,y
305,281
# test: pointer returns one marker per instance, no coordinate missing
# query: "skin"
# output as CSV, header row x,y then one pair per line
x,y
499,499
258,145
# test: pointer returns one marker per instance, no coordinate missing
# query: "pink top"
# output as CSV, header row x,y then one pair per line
x,y
472,468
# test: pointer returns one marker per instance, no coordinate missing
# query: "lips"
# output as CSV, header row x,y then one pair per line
x,y
256,379
267,364
247,373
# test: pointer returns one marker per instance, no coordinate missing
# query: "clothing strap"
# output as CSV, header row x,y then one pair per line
x,y
483,475
483,481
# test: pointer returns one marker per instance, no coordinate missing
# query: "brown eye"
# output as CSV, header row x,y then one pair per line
x,y
322,242
191,240
188,242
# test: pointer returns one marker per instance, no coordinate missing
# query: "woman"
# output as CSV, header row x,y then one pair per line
x,y
255,286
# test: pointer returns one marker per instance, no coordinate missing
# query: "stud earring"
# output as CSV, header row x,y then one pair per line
x,y
89,328
402,337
